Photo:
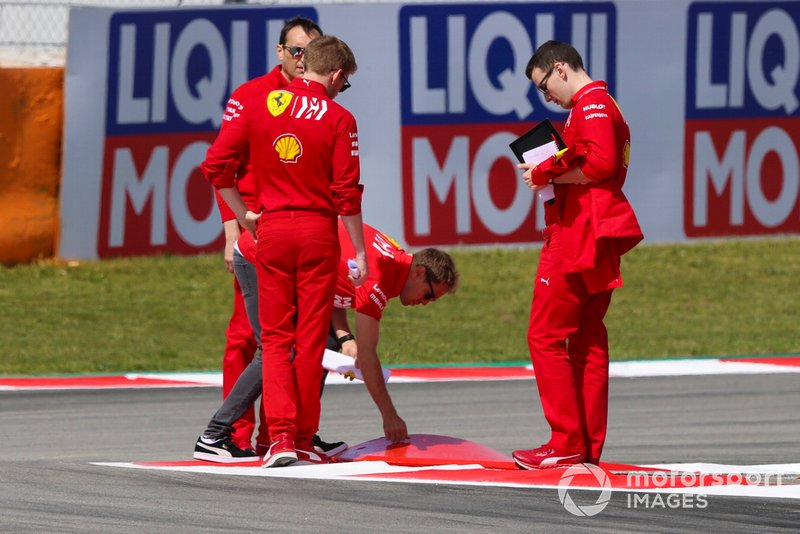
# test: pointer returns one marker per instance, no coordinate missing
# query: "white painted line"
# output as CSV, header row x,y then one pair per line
x,y
334,471
627,369
205,379
709,468
689,367
371,471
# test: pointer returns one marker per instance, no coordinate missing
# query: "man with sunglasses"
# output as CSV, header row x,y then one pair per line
x,y
416,279
589,226
240,346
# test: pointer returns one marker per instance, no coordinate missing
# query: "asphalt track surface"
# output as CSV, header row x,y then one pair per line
x,y
48,484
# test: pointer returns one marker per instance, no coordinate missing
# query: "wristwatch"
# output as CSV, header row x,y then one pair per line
x,y
346,337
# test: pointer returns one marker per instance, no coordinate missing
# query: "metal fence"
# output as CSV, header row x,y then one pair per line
x,y
43,23
34,32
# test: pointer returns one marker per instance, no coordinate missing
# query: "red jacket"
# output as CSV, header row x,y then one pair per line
x,y
597,222
244,177
303,151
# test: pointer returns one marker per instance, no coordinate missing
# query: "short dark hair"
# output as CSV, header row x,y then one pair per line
x,y
440,266
329,53
307,24
553,52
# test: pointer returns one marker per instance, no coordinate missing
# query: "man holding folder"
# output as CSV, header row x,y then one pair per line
x,y
589,226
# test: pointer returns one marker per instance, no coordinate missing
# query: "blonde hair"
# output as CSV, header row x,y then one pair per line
x,y
328,53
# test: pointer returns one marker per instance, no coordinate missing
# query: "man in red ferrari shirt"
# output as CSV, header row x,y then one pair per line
x,y
417,279
240,345
420,278
304,156
590,225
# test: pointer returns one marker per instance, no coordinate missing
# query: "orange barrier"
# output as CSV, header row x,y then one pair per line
x,y
31,125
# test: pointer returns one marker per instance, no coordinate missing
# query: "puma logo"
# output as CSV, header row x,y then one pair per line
x,y
546,281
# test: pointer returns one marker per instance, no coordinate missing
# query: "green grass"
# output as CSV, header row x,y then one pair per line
x,y
169,313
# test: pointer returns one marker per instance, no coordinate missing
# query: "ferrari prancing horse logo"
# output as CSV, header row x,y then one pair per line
x,y
278,101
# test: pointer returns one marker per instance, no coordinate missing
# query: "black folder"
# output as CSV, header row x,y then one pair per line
x,y
541,134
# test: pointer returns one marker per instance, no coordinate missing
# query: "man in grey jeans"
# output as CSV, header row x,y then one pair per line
x,y
415,278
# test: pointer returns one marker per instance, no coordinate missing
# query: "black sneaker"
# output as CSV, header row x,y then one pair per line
x,y
329,449
222,451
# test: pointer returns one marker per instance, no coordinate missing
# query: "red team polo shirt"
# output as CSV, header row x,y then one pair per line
x,y
274,79
388,264
288,154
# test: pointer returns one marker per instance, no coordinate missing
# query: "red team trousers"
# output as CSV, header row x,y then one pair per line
x,y
297,257
568,343
240,347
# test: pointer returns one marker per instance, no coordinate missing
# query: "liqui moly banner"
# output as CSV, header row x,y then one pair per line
x,y
464,97
710,90
168,75
742,119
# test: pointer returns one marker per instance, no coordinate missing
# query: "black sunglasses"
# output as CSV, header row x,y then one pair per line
x,y
345,86
543,84
432,294
295,51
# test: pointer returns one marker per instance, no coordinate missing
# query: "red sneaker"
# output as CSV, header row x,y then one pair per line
x,y
545,457
306,453
281,453
262,449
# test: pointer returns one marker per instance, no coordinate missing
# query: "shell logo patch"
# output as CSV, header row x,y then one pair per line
x,y
626,154
278,101
288,148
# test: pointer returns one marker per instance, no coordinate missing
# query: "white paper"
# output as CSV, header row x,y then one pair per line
x,y
536,156
345,365
540,153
